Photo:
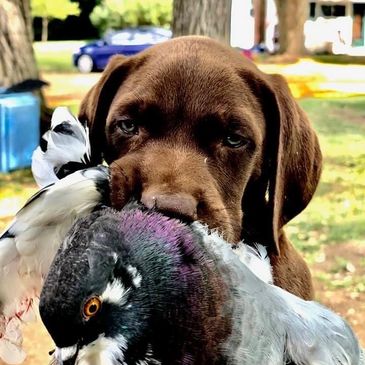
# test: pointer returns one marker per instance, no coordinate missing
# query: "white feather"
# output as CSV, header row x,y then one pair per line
x,y
29,245
61,148
255,258
103,351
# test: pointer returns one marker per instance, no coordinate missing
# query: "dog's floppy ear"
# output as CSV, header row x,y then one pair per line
x,y
95,105
299,160
292,165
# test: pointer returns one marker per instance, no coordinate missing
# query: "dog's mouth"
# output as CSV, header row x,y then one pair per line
x,y
178,216
173,211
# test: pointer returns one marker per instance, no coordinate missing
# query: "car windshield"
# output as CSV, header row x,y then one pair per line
x,y
135,38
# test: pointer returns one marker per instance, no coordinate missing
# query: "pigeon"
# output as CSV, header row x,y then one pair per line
x,y
136,287
29,245
64,149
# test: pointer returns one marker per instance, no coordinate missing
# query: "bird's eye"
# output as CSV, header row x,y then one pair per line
x,y
128,127
91,307
235,140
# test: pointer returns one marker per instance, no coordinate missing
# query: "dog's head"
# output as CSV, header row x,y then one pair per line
x,y
193,128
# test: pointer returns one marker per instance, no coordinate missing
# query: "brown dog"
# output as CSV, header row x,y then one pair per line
x,y
196,130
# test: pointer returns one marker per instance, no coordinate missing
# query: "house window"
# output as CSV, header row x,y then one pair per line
x,y
312,10
332,11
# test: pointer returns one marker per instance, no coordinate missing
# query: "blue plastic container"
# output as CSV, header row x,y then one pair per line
x,y
19,130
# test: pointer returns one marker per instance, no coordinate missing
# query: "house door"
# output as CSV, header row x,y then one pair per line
x,y
358,31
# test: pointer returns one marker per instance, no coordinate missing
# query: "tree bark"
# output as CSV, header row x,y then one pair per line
x,y
44,29
17,60
292,15
260,20
202,17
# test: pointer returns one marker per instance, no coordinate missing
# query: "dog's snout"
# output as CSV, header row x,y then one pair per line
x,y
177,205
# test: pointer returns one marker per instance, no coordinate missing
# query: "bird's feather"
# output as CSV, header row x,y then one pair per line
x,y
274,326
29,245
65,148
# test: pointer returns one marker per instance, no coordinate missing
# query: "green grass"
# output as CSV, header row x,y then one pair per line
x,y
325,58
336,213
56,56
15,182
339,59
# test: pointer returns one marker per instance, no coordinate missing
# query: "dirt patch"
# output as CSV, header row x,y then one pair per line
x,y
349,116
339,280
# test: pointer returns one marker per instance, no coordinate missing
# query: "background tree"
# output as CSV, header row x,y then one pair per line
x,y
87,28
48,9
17,60
292,15
203,17
260,21
122,13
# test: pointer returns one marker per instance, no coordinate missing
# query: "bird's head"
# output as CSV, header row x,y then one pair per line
x,y
127,288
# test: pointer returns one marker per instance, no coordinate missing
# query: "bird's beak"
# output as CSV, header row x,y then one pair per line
x,y
71,361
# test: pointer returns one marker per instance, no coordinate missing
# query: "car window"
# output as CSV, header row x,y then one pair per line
x,y
121,38
136,38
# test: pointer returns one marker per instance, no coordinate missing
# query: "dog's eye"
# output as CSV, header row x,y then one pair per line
x,y
128,126
235,140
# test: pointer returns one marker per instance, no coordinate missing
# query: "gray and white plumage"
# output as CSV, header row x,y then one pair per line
x,y
283,328
64,149
173,293
29,245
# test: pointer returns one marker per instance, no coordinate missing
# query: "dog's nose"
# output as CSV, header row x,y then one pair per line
x,y
180,205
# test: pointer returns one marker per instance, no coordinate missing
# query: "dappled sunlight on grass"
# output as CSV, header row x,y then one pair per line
x,y
56,56
67,89
15,189
308,78
336,214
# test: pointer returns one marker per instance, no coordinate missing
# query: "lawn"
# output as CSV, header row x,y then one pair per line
x,y
56,56
336,213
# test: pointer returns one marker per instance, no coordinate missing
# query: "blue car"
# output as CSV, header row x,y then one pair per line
x,y
129,41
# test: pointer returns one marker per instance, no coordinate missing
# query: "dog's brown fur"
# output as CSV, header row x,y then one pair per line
x,y
190,97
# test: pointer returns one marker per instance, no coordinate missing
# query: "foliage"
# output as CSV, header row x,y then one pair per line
x,y
59,9
116,14
86,6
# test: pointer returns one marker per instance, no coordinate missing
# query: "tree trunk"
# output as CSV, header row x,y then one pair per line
x,y
44,29
260,20
17,60
292,15
202,17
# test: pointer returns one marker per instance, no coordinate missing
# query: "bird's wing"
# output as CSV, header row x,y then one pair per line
x,y
314,334
29,245
272,326
65,148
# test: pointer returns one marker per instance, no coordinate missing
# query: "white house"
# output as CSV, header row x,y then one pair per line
x,y
336,26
